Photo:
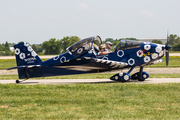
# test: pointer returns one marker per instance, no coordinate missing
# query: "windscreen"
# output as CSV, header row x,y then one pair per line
x,y
81,46
128,44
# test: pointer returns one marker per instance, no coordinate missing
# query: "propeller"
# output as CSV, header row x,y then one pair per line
x,y
167,51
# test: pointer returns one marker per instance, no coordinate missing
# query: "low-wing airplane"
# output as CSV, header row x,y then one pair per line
x,y
82,57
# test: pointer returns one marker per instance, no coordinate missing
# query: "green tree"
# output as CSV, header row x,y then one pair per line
x,y
2,48
34,48
173,39
157,41
176,47
7,46
51,47
66,42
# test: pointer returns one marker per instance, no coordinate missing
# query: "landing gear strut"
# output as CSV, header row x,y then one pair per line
x,y
140,76
18,81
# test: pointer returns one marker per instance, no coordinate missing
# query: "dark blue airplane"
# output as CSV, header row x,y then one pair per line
x,y
82,57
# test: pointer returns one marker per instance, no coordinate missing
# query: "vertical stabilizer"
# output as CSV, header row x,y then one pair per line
x,y
25,55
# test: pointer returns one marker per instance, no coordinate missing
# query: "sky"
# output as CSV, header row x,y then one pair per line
x,y
36,21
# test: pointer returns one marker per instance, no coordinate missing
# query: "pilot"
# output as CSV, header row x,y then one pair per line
x,y
102,50
108,46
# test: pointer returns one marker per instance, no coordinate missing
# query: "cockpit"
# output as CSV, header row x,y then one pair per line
x,y
85,45
128,44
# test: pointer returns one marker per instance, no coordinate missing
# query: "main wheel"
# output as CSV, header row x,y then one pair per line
x,y
17,81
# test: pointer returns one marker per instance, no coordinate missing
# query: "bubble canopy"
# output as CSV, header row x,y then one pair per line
x,y
84,45
128,44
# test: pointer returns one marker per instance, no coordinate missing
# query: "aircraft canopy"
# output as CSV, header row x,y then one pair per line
x,y
128,44
84,45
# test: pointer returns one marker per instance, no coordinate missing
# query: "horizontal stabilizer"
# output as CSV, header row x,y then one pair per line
x,y
25,66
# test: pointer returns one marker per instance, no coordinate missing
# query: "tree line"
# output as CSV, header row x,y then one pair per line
x,y
58,46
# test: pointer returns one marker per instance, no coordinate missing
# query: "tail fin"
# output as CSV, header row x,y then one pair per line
x,y
25,55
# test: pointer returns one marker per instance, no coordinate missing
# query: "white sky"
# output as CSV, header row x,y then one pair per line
x,y
36,21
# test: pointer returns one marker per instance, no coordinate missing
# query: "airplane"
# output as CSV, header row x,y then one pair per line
x,y
82,57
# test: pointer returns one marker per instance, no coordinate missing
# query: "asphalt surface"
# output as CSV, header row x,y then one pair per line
x,y
93,81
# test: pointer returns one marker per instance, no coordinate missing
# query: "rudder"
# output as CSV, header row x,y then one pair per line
x,y
25,55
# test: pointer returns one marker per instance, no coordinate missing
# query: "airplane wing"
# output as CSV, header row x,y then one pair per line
x,y
111,64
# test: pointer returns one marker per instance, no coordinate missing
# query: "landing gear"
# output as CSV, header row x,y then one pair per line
x,y
121,77
124,77
140,76
18,81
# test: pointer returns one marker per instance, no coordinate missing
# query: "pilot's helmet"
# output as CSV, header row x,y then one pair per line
x,y
102,46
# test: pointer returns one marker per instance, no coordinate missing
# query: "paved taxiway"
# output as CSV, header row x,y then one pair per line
x,y
75,81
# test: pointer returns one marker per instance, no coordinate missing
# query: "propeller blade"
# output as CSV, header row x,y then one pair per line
x,y
167,38
167,57
167,50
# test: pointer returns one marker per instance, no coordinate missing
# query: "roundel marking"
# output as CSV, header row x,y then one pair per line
x,y
158,49
144,76
22,56
154,55
26,44
131,61
147,47
126,77
116,77
33,54
147,59
30,49
120,53
63,59
161,53
55,58
79,51
17,51
105,58
139,53
121,74
86,47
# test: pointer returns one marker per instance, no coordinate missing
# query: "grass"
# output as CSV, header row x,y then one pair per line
x,y
90,101
7,63
174,61
89,76
174,51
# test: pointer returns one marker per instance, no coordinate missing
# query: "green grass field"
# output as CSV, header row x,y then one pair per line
x,y
90,101
174,61
107,101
